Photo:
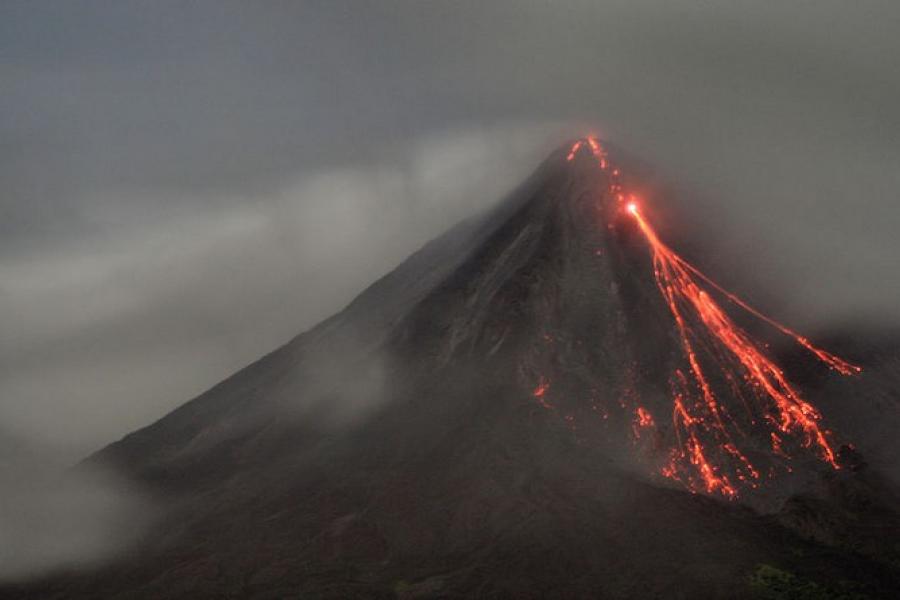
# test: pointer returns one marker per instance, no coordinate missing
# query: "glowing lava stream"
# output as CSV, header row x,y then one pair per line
x,y
706,457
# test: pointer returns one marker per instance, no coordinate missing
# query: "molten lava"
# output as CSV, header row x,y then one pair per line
x,y
712,444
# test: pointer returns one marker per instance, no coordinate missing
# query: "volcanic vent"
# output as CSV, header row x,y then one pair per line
x,y
546,401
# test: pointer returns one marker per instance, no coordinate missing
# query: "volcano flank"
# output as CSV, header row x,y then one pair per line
x,y
547,401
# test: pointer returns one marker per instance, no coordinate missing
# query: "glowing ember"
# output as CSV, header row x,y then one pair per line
x,y
575,148
642,420
645,419
711,444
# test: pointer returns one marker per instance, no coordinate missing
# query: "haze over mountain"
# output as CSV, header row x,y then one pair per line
x,y
475,424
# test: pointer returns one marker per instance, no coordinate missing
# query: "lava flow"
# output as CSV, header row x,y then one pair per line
x,y
711,444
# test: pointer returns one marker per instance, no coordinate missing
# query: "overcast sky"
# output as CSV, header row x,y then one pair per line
x,y
186,185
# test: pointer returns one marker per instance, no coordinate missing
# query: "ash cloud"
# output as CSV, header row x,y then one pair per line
x,y
188,185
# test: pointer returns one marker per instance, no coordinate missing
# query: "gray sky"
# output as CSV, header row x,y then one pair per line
x,y
186,185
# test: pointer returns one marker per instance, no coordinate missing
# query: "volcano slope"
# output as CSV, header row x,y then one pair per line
x,y
495,419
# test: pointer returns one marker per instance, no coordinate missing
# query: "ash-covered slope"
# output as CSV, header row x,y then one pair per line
x,y
467,427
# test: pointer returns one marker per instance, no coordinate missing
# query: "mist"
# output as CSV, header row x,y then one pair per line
x,y
189,185
53,517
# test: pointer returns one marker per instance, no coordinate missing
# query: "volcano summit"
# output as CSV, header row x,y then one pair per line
x,y
545,402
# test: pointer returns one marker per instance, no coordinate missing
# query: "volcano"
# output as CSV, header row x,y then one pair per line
x,y
547,401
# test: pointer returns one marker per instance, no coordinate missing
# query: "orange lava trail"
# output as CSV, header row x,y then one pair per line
x,y
834,362
789,411
707,456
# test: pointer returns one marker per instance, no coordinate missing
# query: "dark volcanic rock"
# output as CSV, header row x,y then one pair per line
x,y
397,451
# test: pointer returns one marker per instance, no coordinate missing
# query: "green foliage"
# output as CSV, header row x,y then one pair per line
x,y
772,583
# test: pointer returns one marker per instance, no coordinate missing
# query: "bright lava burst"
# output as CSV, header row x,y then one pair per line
x,y
707,455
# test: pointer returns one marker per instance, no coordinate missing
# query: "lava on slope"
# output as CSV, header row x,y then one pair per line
x,y
713,431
